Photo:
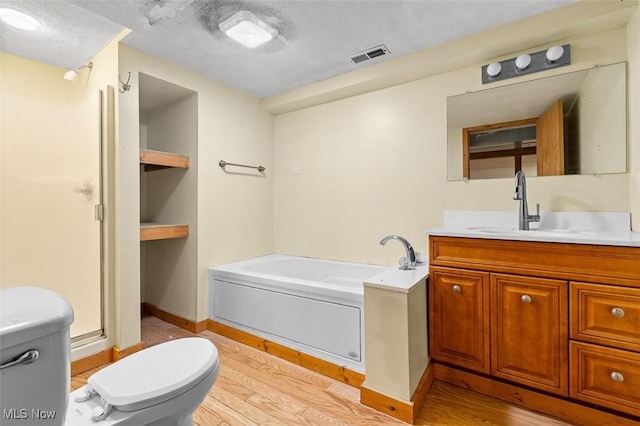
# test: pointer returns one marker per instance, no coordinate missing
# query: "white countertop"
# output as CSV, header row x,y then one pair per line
x,y
395,279
601,228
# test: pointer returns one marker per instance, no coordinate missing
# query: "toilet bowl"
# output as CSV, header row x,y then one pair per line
x,y
159,386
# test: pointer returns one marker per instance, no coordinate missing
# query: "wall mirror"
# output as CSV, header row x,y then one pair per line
x,y
572,123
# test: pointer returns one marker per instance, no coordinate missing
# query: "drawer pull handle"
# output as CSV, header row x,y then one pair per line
x,y
525,298
617,377
456,288
617,312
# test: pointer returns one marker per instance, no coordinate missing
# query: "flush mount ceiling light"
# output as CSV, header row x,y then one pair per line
x,y
247,29
18,19
553,57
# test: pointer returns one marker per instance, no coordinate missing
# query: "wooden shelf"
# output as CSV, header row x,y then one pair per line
x,y
150,231
156,160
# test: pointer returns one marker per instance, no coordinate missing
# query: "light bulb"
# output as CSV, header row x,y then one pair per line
x,y
494,69
554,53
523,61
71,76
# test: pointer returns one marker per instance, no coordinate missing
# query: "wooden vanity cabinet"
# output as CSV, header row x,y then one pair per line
x,y
524,321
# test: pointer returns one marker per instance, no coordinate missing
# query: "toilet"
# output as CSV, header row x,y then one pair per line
x,y
159,386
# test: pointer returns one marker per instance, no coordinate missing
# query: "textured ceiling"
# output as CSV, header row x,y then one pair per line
x,y
316,38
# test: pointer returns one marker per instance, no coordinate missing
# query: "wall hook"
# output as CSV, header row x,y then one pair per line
x,y
125,86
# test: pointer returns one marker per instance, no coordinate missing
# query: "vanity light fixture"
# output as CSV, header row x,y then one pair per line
x,y
553,57
245,28
18,19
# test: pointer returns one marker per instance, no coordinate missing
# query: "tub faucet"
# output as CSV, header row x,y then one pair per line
x,y
524,218
411,254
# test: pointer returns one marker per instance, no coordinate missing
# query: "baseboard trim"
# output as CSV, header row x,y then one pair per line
x,y
92,361
104,357
549,405
318,365
401,410
194,327
118,353
420,395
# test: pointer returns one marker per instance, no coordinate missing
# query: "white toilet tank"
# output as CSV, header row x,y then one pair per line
x,y
34,355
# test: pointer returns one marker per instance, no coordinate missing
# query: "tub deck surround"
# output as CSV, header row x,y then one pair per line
x,y
395,313
599,228
395,279
310,305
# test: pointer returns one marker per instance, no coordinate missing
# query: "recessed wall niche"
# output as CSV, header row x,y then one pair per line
x,y
168,194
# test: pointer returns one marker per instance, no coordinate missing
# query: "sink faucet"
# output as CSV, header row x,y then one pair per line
x,y
524,218
411,254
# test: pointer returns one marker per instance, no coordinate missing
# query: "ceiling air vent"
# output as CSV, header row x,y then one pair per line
x,y
374,52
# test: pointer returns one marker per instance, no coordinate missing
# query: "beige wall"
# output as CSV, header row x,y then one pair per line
x,y
633,89
234,210
351,171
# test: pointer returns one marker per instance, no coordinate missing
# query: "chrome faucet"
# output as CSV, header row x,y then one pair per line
x,y
524,218
410,263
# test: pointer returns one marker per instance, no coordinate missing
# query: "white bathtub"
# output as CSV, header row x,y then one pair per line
x,y
311,305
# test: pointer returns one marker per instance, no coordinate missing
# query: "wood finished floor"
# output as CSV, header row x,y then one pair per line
x,y
255,388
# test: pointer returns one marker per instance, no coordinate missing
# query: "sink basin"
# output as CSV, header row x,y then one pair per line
x,y
532,232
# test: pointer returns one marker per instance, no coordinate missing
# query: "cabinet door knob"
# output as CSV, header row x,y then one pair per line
x,y
525,298
617,377
456,288
617,312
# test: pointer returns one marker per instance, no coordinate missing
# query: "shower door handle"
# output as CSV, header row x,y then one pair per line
x,y
26,358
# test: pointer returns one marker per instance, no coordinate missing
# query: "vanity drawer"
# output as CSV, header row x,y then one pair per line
x,y
606,377
606,315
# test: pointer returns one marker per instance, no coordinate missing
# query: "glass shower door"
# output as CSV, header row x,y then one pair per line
x,y
50,185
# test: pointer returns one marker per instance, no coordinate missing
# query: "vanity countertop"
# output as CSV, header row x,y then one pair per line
x,y
600,228
395,279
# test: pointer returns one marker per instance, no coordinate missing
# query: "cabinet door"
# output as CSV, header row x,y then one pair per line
x,y
459,317
529,331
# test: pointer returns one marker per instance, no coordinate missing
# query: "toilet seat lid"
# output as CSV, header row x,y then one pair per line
x,y
155,374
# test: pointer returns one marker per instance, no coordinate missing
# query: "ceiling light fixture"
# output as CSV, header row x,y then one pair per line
x,y
18,19
247,29
554,57
72,75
